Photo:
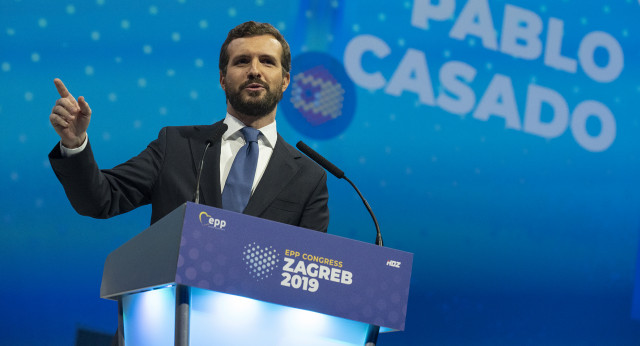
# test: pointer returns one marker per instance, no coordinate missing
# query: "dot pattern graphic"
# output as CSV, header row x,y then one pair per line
x,y
259,261
317,95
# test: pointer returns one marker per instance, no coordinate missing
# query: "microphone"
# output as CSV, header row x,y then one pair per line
x,y
319,159
216,136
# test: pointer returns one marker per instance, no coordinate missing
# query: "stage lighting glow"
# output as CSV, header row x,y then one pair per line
x,y
227,319
149,317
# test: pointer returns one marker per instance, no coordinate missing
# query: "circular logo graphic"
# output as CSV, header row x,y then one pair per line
x,y
321,100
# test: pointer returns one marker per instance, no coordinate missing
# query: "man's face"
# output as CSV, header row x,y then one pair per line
x,y
254,82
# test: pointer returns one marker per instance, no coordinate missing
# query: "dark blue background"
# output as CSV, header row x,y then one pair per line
x,y
517,239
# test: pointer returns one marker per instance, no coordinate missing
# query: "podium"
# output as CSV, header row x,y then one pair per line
x,y
207,276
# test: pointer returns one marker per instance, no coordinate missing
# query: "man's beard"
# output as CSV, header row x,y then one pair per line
x,y
253,107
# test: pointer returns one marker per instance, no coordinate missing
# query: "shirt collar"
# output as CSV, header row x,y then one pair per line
x,y
269,133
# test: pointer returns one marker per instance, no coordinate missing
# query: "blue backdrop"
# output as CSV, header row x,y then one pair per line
x,y
497,140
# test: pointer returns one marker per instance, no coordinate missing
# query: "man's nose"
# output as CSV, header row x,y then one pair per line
x,y
254,70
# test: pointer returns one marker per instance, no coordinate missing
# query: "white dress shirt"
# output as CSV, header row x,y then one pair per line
x,y
233,140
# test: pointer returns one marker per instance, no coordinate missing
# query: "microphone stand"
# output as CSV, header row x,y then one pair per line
x,y
366,204
373,330
217,135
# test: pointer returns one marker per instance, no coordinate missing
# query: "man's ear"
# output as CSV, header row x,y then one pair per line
x,y
285,81
223,81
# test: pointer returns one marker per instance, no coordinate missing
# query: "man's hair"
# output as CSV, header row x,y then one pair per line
x,y
250,29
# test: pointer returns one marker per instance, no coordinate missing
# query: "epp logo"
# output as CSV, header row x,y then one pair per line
x,y
207,220
320,101
394,264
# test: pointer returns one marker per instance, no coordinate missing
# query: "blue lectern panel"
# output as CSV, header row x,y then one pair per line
x,y
247,256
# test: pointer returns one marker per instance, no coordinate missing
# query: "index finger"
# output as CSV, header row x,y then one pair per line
x,y
62,90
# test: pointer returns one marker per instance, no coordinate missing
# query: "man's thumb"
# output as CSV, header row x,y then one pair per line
x,y
84,106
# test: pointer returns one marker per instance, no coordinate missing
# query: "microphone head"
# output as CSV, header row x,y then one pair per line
x,y
320,160
220,130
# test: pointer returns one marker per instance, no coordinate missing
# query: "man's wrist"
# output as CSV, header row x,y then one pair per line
x,y
67,151
76,144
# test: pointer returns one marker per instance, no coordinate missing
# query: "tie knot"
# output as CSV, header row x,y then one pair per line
x,y
250,134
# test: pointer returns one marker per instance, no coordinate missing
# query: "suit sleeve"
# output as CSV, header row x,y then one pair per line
x,y
106,193
316,212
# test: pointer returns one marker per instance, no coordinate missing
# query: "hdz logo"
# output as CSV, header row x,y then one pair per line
x,y
395,264
211,222
320,101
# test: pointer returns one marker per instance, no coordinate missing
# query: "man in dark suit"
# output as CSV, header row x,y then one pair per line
x,y
287,187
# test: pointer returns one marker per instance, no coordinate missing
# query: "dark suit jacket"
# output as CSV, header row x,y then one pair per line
x,y
292,190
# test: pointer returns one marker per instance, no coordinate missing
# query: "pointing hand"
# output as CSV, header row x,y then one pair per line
x,y
70,118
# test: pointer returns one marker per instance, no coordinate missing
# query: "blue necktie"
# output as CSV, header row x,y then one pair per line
x,y
237,188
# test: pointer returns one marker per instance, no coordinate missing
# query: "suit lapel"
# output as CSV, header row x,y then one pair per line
x,y
210,181
280,169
